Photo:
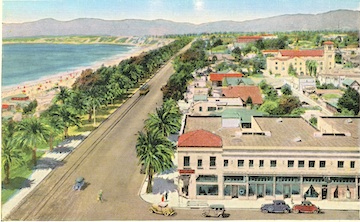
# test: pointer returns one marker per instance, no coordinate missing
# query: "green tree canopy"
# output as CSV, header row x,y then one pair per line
x,y
350,100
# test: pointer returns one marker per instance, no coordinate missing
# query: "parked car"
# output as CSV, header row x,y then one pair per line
x,y
162,208
305,207
79,183
214,210
278,206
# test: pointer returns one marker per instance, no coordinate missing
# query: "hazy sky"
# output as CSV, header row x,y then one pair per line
x,y
194,11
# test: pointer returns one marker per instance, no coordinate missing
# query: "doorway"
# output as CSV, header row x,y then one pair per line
x,y
287,193
260,190
234,191
324,192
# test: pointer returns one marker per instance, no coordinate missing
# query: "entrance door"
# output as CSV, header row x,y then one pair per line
x,y
260,190
234,191
324,192
287,193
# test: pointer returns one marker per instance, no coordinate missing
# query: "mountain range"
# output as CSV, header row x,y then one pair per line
x,y
333,20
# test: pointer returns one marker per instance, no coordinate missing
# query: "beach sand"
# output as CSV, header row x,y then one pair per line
x,y
43,90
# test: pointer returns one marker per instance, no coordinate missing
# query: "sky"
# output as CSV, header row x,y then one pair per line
x,y
193,11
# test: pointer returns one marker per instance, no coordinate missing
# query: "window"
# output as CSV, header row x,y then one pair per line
x,y
186,161
212,161
340,164
276,68
199,163
200,109
240,163
211,108
261,163
322,164
311,164
226,163
207,189
291,163
251,163
272,163
301,163
276,63
352,164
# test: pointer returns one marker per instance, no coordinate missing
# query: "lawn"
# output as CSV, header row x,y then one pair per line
x,y
331,96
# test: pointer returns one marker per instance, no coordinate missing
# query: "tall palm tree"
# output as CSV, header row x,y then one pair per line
x,y
10,156
30,133
67,115
155,152
63,96
163,121
56,127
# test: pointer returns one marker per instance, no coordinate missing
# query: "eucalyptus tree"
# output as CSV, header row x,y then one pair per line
x,y
155,152
31,132
311,67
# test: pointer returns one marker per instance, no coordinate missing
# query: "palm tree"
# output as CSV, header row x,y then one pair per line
x,y
31,132
10,155
56,127
67,115
155,152
164,121
63,95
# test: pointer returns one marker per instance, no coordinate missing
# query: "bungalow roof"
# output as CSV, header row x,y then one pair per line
x,y
244,92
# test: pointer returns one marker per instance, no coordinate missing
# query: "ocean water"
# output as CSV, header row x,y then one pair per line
x,y
30,62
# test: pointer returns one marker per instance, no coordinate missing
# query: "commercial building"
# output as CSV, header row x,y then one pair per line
x,y
271,158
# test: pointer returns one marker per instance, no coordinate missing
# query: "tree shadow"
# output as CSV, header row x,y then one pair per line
x,y
61,149
17,183
48,163
172,170
162,185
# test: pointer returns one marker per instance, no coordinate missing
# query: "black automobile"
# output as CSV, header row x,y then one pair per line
x,y
278,206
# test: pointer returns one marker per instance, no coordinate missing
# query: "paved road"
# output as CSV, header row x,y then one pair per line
x,y
107,160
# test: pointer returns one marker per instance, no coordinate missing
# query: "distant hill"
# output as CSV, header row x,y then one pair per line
x,y
333,20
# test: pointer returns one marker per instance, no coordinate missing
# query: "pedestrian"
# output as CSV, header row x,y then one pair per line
x,y
166,196
162,198
100,194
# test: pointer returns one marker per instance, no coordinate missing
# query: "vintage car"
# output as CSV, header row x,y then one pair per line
x,y
214,210
79,183
305,207
162,208
278,206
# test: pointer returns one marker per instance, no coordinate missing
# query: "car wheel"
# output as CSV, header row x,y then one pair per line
x,y
286,211
151,211
315,212
296,211
264,211
204,214
166,213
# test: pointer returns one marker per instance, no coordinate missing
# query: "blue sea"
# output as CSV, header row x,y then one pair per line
x,y
30,62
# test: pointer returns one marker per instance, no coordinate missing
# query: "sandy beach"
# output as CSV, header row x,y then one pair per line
x,y
43,89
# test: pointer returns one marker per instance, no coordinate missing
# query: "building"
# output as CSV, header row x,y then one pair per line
x,y
280,62
217,78
276,158
242,41
305,83
244,92
349,83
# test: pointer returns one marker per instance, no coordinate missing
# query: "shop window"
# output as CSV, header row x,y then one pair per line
x,y
278,189
340,164
212,161
242,190
352,164
227,190
226,163
290,163
269,189
211,190
207,178
295,189
322,164
232,179
251,163
199,164
261,163
272,163
186,161
311,192
252,188
301,163
311,164
240,163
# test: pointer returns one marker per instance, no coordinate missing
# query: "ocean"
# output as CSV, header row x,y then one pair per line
x,y
23,63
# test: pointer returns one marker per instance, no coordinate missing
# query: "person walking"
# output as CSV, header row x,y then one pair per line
x,y
166,196
100,194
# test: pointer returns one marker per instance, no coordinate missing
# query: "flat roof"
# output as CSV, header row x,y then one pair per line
x,y
284,132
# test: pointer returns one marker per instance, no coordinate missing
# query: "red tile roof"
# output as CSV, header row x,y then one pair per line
x,y
221,76
5,106
302,53
199,138
244,92
328,43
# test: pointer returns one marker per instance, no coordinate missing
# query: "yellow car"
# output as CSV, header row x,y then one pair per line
x,y
162,208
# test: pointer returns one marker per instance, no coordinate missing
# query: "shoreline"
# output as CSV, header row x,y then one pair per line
x,y
40,89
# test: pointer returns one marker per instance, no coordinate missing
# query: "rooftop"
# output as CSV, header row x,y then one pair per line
x,y
220,76
244,92
199,138
302,53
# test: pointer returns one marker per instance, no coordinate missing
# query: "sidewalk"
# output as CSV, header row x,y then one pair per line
x,y
167,182
45,165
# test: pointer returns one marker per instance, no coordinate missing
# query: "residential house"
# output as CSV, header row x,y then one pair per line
x,y
244,92
349,83
217,78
